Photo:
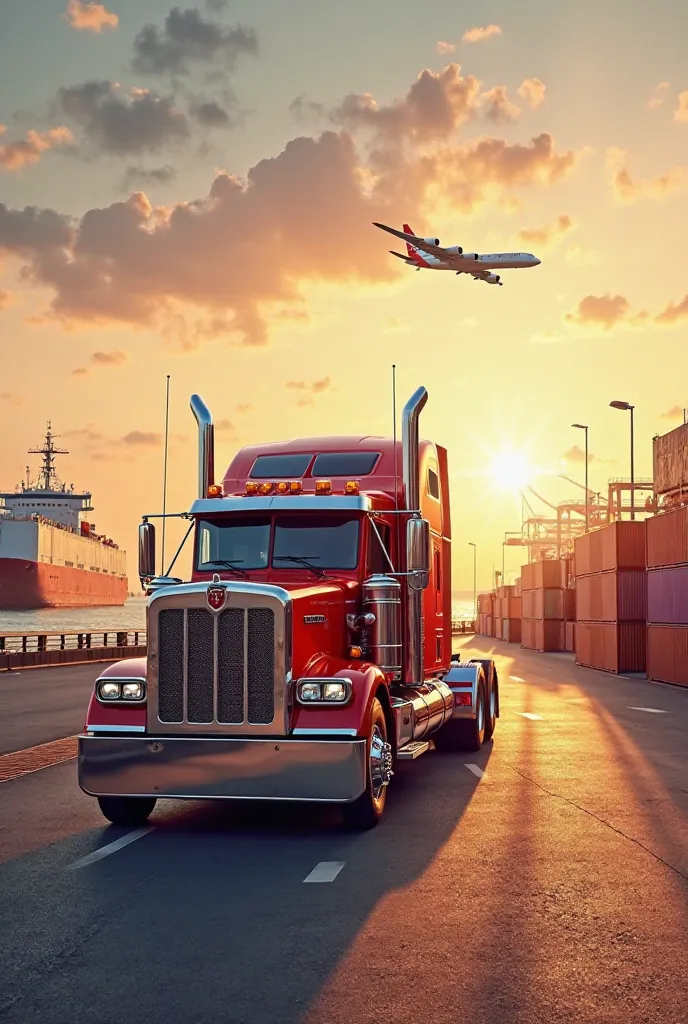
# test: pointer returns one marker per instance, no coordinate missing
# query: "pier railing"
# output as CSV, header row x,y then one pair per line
x,y
39,650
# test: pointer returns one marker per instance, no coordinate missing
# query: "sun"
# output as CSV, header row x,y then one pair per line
x,y
511,470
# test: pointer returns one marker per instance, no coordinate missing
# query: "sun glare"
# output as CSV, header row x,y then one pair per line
x,y
511,470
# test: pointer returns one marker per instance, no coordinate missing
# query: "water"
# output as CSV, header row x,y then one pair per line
x,y
132,615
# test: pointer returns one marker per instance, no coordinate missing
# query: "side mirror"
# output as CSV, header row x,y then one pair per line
x,y
146,550
418,553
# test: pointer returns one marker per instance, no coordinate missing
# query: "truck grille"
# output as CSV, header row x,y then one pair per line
x,y
216,668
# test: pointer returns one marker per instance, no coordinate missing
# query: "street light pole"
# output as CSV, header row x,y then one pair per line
x,y
582,426
475,578
627,407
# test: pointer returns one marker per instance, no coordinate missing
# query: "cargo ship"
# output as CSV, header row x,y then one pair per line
x,y
50,554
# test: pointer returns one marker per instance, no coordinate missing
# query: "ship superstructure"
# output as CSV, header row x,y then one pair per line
x,y
50,554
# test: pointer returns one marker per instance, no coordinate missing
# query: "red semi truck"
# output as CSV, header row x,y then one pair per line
x,y
311,649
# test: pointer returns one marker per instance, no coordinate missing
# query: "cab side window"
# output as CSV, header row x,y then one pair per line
x,y
377,561
433,484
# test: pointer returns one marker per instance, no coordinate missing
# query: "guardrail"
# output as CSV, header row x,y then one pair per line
x,y
462,626
39,650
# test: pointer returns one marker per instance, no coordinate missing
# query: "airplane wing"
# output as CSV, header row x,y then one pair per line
x,y
404,258
452,259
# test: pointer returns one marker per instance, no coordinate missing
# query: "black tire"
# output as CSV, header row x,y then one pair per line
x,y
491,709
467,735
127,810
365,812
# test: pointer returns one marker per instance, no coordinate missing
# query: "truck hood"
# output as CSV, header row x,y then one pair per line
x,y
319,613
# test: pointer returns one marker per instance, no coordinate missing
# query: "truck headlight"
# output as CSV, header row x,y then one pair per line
x,y
110,690
323,691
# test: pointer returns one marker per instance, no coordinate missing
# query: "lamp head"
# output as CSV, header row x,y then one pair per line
x,y
625,406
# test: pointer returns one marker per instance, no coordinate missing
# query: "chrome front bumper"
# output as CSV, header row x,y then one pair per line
x,y
240,769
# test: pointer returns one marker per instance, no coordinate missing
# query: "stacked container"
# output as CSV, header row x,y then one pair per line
x,y
545,605
611,598
510,613
485,614
667,596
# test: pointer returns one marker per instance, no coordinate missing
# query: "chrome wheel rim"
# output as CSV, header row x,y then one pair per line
x,y
380,762
481,712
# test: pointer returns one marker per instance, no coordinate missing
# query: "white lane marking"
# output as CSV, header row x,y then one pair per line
x,y
516,679
651,711
476,769
105,851
325,871
529,714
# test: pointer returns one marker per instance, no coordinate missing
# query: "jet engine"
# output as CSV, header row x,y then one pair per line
x,y
455,249
493,279
470,255
432,241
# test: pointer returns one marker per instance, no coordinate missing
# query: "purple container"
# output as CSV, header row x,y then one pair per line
x,y
667,596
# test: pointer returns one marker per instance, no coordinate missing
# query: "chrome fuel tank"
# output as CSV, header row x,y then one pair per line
x,y
382,599
422,710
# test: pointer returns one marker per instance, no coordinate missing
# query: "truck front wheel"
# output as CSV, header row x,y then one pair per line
x,y
365,812
127,810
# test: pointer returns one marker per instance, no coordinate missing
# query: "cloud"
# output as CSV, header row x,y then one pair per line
x,y
9,398
210,114
142,176
115,357
225,428
188,38
396,326
577,256
444,47
498,106
629,190
480,34
532,90
80,371
610,311
316,387
123,124
548,233
143,439
657,96
307,211
305,110
577,455
89,17
15,155
681,112
245,408
675,413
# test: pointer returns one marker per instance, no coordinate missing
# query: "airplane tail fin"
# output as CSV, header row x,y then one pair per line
x,y
409,248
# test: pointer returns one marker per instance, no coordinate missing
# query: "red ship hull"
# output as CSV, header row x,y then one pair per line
x,y
26,585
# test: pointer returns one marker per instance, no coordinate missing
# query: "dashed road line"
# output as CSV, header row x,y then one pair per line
x,y
33,759
650,711
106,851
516,679
325,871
476,769
529,714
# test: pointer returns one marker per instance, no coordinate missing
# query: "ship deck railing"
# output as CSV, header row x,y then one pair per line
x,y
39,650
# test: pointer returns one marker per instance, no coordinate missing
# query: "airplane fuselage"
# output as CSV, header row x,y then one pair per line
x,y
488,262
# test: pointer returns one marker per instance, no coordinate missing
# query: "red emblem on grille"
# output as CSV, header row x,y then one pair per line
x,y
216,597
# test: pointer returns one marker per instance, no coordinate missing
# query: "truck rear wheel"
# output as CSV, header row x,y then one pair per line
x,y
366,811
491,715
468,734
127,810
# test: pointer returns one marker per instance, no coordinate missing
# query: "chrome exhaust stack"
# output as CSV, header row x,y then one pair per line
x,y
206,445
417,539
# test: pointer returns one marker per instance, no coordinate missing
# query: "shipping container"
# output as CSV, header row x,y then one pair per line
x,y
667,595
612,597
542,635
617,546
667,654
670,458
667,538
543,604
497,632
488,625
511,630
485,603
511,608
570,637
517,587
611,646
567,576
570,605
538,575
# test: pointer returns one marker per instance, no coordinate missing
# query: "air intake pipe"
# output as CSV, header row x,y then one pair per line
x,y
206,445
413,653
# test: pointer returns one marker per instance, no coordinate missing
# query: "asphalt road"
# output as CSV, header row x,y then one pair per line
x,y
554,887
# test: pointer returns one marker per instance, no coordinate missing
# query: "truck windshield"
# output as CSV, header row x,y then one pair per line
x,y
326,543
245,543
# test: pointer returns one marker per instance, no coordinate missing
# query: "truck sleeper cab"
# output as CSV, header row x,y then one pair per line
x,y
310,651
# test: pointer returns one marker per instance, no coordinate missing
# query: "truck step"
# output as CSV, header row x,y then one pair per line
x,y
412,750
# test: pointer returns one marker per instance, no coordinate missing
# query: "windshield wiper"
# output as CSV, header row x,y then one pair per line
x,y
302,560
229,565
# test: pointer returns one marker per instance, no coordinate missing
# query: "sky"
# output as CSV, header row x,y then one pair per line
x,y
191,191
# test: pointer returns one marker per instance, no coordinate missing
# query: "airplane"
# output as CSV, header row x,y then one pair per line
x,y
426,253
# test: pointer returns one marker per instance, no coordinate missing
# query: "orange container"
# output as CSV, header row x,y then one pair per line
x,y
618,546
542,634
611,646
543,604
667,538
511,630
538,575
612,597
570,637
511,608
497,627
517,587
570,605
667,654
